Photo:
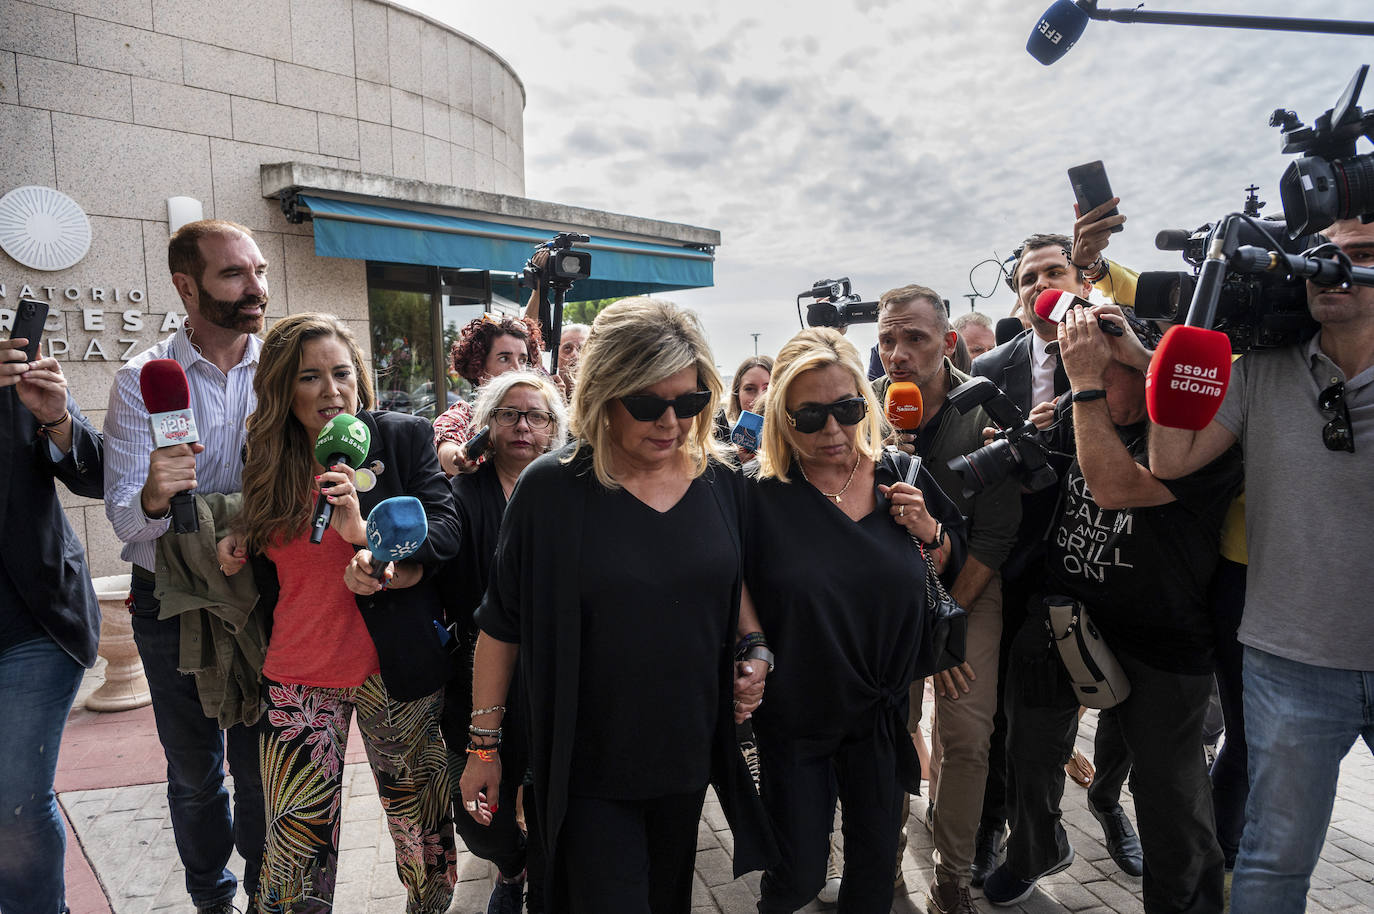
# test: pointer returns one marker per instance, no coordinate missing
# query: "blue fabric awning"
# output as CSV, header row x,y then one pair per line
x,y
363,231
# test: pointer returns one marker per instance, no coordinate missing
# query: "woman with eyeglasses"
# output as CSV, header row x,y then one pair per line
x,y
623,631
838,546
527,417
488,346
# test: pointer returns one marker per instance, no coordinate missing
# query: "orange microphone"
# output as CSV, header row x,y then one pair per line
x,y
903,406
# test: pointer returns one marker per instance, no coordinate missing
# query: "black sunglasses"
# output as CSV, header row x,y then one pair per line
x,y
1338,434
810,419
644,408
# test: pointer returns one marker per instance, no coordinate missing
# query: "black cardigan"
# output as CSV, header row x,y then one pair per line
x,y
401,622
42,555
535,575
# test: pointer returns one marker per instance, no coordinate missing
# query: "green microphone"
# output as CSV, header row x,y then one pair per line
x,y
344,439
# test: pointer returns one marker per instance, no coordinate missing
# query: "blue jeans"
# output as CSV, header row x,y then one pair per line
x,y
1300,721
206,831
38,681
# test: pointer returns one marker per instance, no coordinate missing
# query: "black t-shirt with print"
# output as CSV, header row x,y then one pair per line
x,y
1143,572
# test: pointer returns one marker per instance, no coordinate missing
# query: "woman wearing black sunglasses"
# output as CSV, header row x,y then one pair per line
x,y
838,545
623,629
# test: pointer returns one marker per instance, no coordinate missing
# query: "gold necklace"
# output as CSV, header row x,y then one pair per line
x,y
837,495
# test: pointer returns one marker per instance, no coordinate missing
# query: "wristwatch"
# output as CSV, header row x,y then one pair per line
x,y
759,652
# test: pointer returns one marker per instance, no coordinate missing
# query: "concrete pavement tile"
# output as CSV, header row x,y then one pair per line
x,y
733,897
714,867
1117,898
1073,895
701,895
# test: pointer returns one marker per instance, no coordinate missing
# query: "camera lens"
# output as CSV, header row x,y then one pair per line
x,y
986,466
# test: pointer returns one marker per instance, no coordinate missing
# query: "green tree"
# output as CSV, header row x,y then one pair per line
x,y
584,312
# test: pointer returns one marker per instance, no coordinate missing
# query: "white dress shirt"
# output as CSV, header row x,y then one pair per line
x,y
1043,364
221,406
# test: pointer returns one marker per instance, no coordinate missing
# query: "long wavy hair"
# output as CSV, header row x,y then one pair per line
x,y
634,344
279,456
815,347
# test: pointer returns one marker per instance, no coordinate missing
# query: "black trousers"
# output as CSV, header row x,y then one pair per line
x,y
631,856
800,793
1015,594
1112,759
1161,724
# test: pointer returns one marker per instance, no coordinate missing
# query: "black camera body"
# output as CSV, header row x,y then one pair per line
x,y
1329,181
1255,310
563,267
1016,449
836,305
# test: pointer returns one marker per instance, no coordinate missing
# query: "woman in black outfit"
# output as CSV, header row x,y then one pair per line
x,y
617,581
838,546
527,417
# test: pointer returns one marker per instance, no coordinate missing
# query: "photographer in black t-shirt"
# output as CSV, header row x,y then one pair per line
x,y
1138,552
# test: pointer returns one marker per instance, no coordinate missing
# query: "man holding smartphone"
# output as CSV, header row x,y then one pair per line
x,y
49,617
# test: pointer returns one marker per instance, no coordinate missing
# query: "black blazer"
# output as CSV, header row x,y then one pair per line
x,y
41,553
401,622
1009,367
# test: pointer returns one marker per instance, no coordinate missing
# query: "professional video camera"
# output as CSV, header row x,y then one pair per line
x,y
1329,181
1257,311
1017,447
557,270
1248,284
562,266
836,305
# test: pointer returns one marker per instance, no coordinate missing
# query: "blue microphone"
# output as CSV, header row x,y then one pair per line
x,y
1056,31
746,430
396,528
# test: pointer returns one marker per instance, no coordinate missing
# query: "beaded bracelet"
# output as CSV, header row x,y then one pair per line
x,y
480,731
480,711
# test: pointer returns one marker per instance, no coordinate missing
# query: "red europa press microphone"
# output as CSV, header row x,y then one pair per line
x,y
903,406
168,400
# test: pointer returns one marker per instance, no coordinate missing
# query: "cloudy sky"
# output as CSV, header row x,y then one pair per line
x,y
896,141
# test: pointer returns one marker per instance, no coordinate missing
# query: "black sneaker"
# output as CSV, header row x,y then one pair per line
x,y
219,907
1122,842
987,853
1002,888
507,897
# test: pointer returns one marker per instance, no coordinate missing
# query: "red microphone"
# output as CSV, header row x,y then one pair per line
x,y
168,401
1053,305
903,406
1187,377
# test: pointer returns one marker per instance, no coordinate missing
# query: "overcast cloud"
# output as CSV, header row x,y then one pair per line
x,y
893,141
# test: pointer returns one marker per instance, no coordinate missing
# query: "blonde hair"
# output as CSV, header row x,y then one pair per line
x,y
636,343
814,348
490,395
279,456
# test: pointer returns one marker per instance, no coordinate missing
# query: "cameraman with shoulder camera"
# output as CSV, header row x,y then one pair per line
x,y
1307,629
1137,553
915,342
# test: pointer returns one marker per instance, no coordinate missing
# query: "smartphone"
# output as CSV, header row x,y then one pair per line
x,y
29,319
1091,189
477,446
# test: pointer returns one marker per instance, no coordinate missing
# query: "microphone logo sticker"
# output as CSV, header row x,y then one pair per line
x,y
1197,379
899,408
172,428
1050,32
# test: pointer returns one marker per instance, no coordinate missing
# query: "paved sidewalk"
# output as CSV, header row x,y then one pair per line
x,y
123,859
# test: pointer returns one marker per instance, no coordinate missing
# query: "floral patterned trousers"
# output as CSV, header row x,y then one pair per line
x,y
302,754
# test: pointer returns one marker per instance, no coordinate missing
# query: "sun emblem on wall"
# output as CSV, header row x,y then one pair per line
x,y
43,229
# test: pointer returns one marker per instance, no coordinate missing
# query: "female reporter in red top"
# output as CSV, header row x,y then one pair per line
x,y
331,652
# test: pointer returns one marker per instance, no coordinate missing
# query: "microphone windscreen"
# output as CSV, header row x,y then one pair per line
x,y
163,384
343,437
1056,31
903,406
396,528
1053,304
1187,377
746,430
1007,329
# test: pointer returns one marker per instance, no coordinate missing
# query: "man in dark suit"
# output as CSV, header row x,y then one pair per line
x,y
1027,369
49,617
